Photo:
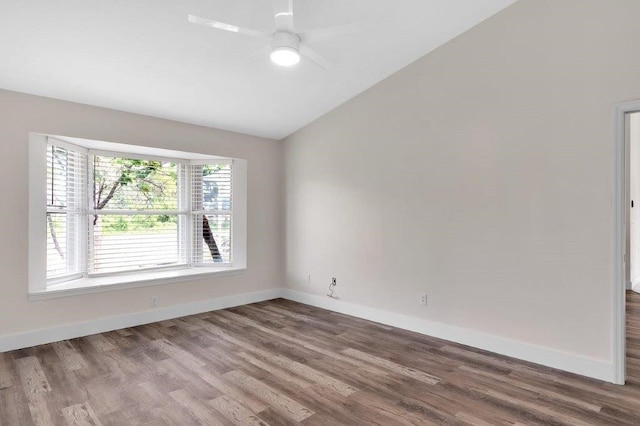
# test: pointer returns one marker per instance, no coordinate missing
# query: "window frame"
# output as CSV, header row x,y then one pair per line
x,y
41,287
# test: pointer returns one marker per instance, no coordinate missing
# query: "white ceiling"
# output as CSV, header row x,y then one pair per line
x,y
144,57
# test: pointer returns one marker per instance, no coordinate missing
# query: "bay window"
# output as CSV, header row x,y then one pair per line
x,y
113,213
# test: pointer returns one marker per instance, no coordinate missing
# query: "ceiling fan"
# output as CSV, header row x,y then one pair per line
x,y
286,45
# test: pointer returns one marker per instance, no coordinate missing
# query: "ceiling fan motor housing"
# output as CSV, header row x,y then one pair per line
x,y
284,39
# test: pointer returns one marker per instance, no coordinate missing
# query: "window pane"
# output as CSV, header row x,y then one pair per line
x,y
56,176
128,243
66,178
211,187
129,184
64,237
212,238
56,244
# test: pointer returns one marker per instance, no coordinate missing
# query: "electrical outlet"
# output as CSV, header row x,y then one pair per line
x,y
308,278
332,291
154,301
423,299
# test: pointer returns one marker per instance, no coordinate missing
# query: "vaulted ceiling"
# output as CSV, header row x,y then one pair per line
x,y
145,57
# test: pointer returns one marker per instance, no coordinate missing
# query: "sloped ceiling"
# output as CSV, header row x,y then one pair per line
x,y
144,57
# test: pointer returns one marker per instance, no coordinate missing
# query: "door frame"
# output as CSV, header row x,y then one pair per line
x,y
620,212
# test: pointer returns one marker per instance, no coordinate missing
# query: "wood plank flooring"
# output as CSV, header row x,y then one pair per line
x,y
280,363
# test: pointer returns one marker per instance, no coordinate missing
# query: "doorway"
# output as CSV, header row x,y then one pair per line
x,y
632,253
626,248
632,258
626,231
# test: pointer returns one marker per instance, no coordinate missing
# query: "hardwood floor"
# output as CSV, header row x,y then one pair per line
x,y
281,362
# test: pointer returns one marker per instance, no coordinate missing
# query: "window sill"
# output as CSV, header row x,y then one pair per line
x,y
121,282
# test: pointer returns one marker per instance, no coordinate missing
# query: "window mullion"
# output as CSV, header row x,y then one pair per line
x,y
78,206
214,212
185,220
105,212
195,189
88,253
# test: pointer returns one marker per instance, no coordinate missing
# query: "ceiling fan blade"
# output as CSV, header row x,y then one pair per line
x,y
314,57
226,27
322,34
262,51
283,14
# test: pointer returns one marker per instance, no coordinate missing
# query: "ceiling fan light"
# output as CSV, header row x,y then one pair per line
x,y
285,56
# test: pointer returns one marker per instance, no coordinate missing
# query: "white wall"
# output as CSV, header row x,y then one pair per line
x,y
482,175
21,114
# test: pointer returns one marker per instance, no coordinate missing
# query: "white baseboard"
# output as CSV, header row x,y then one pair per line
x,y
595,368
573,363
101,325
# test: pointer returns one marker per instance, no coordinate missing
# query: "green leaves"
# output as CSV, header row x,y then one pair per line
x,y
132,184
137,171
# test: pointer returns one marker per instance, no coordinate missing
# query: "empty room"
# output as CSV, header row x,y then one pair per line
x,y
278,212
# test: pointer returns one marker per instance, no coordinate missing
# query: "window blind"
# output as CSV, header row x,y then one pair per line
x,y
66,196
211,204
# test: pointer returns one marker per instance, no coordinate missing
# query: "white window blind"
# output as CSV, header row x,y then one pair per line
x,y
211,204
65,215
